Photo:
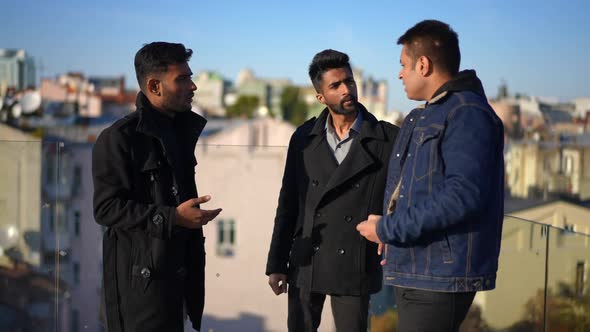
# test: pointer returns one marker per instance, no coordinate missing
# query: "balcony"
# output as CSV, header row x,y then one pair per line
x,y
58,192
56,241
542,280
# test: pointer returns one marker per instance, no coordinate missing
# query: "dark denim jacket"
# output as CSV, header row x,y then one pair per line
x,y
445,230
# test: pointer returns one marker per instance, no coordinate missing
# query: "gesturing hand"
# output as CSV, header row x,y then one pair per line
x,y
368,228
189,215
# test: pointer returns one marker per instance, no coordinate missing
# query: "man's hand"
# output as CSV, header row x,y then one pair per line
x,y
278,283
188,215
380,251
368,228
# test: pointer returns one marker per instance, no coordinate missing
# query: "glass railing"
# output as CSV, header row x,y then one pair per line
x,y
51,250
34,260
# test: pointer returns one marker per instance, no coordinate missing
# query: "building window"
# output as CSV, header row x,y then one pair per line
x,y
568,166
75,320
60,213
77,223
51,174
51,220
57,217
226,237
76,267
567,230
531,236
77,181
580,278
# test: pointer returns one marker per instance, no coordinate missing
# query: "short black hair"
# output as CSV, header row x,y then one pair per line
x,y
435,40
324,61
156,57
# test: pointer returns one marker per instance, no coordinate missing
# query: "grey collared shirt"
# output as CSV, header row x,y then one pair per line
x,y
340,147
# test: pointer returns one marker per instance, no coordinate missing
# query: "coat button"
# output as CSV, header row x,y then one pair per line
x,y
174,191
477,284
341,251
411,119
397,155
181,273
318,214
316,248
146,273
348,218
315,183
357,185
158,219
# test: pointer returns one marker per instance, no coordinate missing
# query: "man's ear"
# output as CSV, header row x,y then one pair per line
x,y
320,98
153,86
424,66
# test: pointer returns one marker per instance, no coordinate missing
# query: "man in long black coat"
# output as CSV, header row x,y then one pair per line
x,y
145,194
334,175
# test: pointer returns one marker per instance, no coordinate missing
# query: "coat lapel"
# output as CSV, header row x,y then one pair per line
x,y
357,160
319,160
359,157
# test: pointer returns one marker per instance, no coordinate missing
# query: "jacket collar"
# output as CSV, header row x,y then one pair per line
x,y
369,126
190,124
465,80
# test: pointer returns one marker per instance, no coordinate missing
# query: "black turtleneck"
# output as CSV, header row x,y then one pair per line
x,y
178,152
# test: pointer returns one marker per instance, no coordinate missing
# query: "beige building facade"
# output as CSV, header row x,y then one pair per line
x,y
538,168
20,194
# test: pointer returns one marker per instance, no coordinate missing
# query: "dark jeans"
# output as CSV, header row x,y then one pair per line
x,y
305,311
425,311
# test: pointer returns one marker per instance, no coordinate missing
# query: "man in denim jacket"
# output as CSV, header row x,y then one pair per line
x,y
443,203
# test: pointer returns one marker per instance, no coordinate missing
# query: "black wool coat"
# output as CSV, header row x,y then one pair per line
x,y
315,241
151,266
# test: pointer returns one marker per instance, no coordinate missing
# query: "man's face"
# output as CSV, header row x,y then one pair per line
x,y
338,91
177,88
410,76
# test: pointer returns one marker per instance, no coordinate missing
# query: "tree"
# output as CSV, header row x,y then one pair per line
x,y
293,108
566,310
244,107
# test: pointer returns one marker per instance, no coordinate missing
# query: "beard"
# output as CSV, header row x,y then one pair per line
x,y
173,104
341,109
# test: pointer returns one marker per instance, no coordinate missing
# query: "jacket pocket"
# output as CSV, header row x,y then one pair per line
x,y
151,171
446,249
426,158
142,271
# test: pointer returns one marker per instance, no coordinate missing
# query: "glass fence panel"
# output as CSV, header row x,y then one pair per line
x,y
32,295
51,250
520,280
568,304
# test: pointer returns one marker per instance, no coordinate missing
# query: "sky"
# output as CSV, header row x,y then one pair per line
x,y
539,48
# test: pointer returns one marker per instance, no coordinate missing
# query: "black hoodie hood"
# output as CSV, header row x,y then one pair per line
x,y
465,80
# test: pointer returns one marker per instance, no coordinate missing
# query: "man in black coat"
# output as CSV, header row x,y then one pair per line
x,y
335,173
145,194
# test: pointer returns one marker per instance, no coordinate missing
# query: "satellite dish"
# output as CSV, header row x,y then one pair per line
x,y
17,110
30,102
8,236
